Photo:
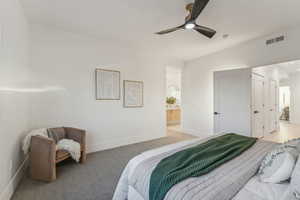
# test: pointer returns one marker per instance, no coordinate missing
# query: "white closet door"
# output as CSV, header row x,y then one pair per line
x,y
272,106
232,96
257,106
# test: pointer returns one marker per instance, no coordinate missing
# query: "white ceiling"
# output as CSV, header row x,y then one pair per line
x,y
135,21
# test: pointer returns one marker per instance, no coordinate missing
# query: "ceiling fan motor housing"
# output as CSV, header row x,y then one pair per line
x,y
189,8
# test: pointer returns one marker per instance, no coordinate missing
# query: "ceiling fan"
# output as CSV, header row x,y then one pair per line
x,y
194,10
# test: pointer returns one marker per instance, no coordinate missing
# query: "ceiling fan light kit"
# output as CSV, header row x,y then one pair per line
x,y
189,26
194,10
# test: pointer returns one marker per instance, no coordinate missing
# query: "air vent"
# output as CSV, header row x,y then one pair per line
x,y
275,40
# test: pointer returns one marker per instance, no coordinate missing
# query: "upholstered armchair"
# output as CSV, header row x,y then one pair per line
x,y
44,156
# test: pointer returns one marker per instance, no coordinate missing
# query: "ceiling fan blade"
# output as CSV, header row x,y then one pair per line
x,y
170,30
198,6
208,32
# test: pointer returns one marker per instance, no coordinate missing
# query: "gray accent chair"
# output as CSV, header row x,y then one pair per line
x,y
44,156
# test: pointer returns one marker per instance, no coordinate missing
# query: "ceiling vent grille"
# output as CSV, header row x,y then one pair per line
x,y
275,40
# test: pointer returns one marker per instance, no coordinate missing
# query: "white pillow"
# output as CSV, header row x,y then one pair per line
x,y
289,195
277,166
294,143
295,180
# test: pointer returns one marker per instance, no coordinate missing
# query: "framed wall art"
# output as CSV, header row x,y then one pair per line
x,y
107,84
133,94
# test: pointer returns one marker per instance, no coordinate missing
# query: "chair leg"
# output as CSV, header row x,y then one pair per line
x,y
53,173
83,157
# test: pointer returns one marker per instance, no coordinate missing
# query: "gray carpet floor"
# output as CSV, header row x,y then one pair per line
x,y
94,180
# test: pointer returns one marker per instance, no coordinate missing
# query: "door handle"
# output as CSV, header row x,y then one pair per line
x,y
256,112
216,113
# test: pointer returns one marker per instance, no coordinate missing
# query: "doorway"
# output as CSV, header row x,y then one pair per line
x,y
245,102
259,102
282,100
173,98
284,103
232,98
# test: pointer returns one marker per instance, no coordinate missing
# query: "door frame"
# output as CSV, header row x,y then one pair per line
x,y
216,117
276,104
252,103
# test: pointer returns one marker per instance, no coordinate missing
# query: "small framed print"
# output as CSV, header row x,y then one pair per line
x,y
107,84
133,94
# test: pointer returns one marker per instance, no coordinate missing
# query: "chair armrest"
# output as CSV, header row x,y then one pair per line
x,y
42,158
79,136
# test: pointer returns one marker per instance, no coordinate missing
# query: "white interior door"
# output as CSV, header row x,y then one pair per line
x,y
232,97
257,106
272,106
217,116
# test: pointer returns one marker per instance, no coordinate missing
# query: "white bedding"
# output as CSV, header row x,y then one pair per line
x,y
257,190
122,190
253,190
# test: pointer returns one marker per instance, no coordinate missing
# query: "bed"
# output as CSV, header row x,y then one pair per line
x,y
235,179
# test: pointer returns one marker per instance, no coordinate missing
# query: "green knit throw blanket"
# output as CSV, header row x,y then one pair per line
x,y
195,162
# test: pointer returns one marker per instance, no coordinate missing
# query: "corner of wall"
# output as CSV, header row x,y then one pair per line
x,y
10,188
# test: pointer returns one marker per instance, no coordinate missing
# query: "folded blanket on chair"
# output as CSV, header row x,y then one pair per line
x,y
26,141
70,146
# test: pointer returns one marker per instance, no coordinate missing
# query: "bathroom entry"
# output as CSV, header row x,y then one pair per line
x,y
284,103
173,98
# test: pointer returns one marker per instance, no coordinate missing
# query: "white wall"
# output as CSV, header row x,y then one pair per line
x,y
65,63
14,104
198,75
295,98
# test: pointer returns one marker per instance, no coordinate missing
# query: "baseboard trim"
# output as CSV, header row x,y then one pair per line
x,y
9,190
197,133
110,144
173,122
